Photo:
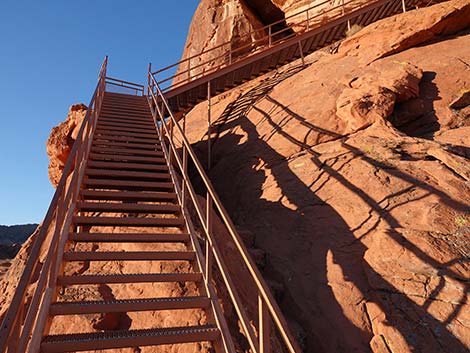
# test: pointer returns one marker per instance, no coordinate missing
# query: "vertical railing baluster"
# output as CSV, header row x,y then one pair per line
x,y
209,235
209,132
308,20
270,30
264,327
189,70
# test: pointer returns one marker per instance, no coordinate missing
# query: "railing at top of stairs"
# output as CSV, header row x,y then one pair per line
x,y
211,60
180,154
24,321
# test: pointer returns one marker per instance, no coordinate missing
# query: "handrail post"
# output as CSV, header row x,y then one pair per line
x,y
270,31
184,171
271,313
301,53
148,79
308,20
403,5
208,237
343,11
264,327
209,125
189,70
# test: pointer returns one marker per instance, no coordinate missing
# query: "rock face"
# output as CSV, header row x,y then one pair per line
x,y
431,23
214,23
61,140
11,240
352,175
241,23
349,179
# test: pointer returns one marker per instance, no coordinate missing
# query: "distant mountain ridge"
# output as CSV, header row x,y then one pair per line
x,y
16,234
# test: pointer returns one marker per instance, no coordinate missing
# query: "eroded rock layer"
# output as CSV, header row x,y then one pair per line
x,y
353,176
60,142
349,179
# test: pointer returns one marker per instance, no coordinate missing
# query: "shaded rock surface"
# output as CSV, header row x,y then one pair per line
x,y
352,174
11,240
349,181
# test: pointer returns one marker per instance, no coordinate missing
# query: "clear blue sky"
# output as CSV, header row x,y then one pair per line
x,y
50,53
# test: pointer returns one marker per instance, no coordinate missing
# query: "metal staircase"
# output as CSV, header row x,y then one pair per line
x,y
128,180
127,175
224,66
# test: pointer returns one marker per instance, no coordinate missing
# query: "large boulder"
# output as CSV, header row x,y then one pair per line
x,y
61,140
352,174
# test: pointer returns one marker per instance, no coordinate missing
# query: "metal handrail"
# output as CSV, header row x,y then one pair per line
x,y
25,322
167,125
236,54
138,88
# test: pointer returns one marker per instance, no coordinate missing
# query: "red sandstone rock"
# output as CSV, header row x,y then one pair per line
x,y
366,229
372,97
366,225
391,36
61,140
214,23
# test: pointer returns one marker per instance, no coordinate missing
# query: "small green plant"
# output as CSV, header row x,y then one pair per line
x,y
461,221
401,63
368,149
464,91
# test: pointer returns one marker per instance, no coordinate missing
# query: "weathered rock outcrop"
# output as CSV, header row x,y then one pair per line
x,y
428,24
214,23
350,177
352,174
61,140
240,22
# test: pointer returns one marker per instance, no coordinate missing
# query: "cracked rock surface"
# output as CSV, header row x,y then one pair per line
x,y
353,177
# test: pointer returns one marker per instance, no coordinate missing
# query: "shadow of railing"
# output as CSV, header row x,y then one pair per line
x,y
347,250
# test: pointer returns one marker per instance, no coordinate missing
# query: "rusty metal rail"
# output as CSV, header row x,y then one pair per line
x,y
130,87
179,153
227,66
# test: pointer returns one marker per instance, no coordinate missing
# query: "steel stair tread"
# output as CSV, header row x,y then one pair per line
x,y
130,256
129,195
126,166
127,174
118,120
128,305
113,157
128,221
128,338
150,130
112,132
124,110
127,207
126,151
125,184
130,278
126,138
127,127
125,119
131,106
130,237
127,116
110,102
129,145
